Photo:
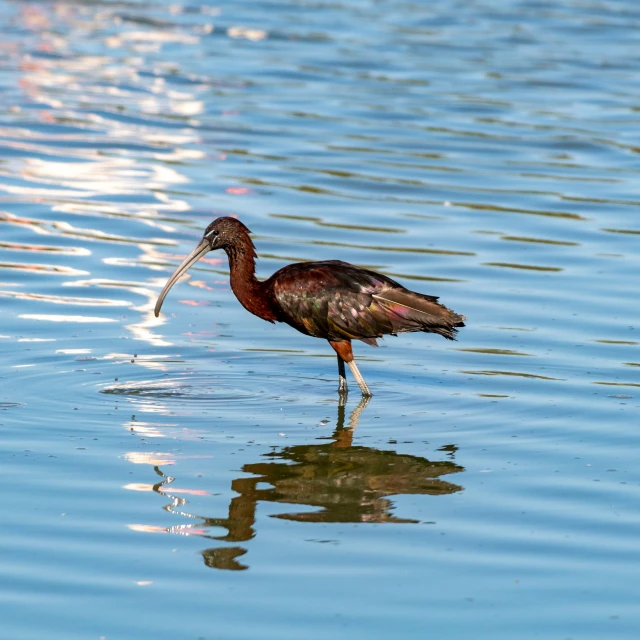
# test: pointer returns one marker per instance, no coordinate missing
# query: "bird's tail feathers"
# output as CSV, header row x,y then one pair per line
x,y
410,311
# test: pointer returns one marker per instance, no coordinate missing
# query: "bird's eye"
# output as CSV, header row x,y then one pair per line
x,y
211,234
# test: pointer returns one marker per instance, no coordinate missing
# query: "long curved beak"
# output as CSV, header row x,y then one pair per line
x,y
202,248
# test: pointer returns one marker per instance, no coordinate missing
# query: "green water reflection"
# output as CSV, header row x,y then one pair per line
x,y
346,483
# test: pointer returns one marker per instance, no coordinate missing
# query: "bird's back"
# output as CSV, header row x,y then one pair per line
x,y
339,301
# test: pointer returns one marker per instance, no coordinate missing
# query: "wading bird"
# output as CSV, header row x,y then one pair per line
x,y
331,299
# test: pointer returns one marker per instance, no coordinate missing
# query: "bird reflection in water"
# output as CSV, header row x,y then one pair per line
x,y
346,483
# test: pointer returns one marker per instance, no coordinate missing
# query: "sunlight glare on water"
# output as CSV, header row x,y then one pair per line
x,y
192,475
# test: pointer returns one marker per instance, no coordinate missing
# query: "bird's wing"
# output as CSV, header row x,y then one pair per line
x,y
331,300
339,301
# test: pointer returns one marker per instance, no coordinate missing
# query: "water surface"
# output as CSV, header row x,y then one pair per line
x,y
192,476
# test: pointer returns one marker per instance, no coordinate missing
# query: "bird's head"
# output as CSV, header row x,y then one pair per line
x,y
222,233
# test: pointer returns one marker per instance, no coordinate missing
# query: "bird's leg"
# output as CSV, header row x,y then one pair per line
x,y
342,387
359,379
345,354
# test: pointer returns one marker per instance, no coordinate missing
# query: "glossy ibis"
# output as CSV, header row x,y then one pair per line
x,y
331,299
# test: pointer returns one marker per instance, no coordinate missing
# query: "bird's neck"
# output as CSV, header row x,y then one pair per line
x,y
244,284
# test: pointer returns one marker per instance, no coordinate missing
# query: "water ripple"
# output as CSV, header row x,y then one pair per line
x,y
482,152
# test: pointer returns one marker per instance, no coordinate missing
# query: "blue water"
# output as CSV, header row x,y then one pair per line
x,y
192,476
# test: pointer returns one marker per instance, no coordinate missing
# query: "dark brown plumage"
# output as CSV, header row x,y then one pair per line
x,y
331,299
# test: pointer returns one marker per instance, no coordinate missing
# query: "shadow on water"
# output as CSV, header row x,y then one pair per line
x,y
347,483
